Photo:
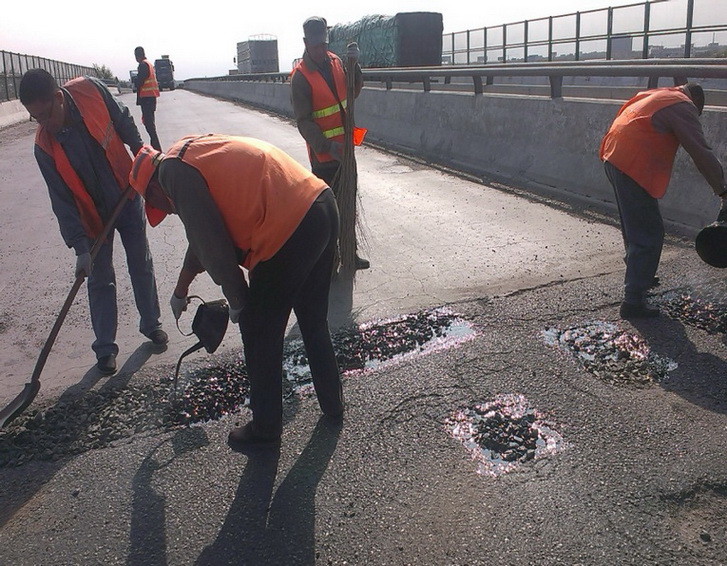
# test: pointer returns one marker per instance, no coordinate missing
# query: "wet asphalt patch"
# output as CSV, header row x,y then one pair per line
x,y
504,433
611,353
101,418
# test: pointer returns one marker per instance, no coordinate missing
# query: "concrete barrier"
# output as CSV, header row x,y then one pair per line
x,y
12,112
547,146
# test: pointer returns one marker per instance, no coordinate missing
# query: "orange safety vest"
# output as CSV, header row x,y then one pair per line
x,y
261,192
633,145
97,119
327,112
150,87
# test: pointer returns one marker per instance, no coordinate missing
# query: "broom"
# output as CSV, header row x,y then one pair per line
x,y
346,180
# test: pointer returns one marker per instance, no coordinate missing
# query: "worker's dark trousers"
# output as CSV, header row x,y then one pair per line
x,y
296,278
148,108
643,233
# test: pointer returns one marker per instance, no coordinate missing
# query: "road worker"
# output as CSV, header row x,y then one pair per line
x,y
86,170
147,92
246,204
638,153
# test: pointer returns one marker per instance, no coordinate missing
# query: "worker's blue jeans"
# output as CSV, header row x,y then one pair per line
x,y
643,233
131,226
297,278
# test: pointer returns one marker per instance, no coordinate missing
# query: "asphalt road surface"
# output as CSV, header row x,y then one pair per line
x,y
636,476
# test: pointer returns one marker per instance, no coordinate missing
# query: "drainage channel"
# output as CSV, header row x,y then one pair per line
x,y
113,415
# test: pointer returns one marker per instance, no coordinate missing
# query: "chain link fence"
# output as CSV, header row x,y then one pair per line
x,y
645,30
14,65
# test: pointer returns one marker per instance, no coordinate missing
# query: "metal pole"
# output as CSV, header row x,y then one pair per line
x,y
578,36
525,42
647,19
609,32
690,23
504,43
550,38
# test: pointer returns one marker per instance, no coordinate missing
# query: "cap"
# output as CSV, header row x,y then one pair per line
x,y
315,30
142,171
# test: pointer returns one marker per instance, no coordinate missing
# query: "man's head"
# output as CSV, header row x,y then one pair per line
x,y
696,93
315,37
139,54
143,178
42,98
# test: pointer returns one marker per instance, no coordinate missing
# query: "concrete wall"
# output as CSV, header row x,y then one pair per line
x,y
542,145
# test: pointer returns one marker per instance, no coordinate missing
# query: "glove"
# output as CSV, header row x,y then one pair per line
x,y
235,315
179,305
83,264
352,51
336,150
722,216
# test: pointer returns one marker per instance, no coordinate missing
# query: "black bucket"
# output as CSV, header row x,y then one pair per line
x,y
209,326
711,244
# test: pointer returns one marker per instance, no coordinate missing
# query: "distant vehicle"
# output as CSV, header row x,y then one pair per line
x,y
132,76
164,69
112,85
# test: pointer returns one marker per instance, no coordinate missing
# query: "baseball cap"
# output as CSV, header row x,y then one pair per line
x,y
142,171
315,30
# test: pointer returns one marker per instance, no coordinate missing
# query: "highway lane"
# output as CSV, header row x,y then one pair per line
x,y
432,238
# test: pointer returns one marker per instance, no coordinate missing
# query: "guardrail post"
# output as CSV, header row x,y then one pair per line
x,y
556,86
427,83
477,80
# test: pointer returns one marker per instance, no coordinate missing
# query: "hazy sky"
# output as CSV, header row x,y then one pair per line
x,y
202,38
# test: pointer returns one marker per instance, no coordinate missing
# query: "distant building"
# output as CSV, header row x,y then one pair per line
x,y
259,54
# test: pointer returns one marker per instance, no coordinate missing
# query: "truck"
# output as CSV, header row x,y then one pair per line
x,y
164,69
132,78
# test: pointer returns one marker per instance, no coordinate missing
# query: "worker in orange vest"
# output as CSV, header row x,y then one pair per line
x,y
245,203
638,153
80,147
147,92
318,96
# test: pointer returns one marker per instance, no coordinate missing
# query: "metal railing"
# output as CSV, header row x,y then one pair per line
x,y
656,29
14,66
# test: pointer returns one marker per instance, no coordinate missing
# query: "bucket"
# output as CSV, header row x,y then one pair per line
x,y
711,244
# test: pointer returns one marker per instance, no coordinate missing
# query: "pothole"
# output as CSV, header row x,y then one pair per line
x,y
612,354
212,390
503,434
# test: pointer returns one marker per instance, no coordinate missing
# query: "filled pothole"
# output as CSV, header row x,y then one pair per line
x,y
611,353
211,390
705,308
505,433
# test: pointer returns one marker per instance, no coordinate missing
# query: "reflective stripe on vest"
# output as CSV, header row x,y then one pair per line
x,y
261,192
150,86
96,117
327,112
633,146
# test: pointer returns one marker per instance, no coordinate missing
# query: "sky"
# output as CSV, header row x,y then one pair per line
x,y
202,41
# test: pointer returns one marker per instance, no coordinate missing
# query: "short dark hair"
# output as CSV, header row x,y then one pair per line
x,y
696,93
37,85
139,52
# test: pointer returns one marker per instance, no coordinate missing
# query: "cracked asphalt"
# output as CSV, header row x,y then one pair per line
x,y
640,479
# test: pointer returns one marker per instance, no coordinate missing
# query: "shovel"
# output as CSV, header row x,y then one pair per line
x,y
26,396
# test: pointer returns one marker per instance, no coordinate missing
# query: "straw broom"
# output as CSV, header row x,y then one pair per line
x,y
346,180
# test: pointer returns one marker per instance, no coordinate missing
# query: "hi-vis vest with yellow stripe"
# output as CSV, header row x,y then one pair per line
x,y
150,87
96,117
326,108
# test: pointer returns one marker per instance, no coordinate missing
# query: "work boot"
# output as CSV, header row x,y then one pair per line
x,y
159,337
642,310
107,364
245,438
362,263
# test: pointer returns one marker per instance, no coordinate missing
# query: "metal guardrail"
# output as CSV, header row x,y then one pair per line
x,y
679,71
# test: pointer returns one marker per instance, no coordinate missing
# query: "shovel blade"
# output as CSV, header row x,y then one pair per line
x,y
20,403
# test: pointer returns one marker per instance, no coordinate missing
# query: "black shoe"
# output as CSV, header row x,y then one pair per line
x,y
107,364
244,438
630,310
159,337
362,263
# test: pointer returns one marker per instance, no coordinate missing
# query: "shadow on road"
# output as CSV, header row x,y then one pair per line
x,y
701,377
266,528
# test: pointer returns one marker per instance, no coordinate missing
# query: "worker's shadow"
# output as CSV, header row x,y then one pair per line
x,y
263,527
147,537
701,377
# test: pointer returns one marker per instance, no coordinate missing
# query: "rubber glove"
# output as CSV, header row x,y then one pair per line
x,y
352,51
336,150
83,264
179,305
